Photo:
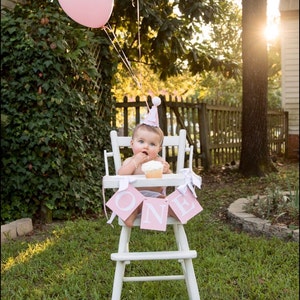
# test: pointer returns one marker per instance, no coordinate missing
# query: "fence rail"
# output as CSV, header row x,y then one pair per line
x,y
214,130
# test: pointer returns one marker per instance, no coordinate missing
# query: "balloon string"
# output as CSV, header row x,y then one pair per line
x,y
139,36
138,28
139,33
121,53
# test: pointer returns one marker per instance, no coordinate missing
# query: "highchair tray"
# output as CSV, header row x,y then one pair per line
x,y
113,181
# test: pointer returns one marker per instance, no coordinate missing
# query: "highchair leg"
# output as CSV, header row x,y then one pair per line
x,y
187,264
120,265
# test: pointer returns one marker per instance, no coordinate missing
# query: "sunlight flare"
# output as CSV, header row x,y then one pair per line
x,y
26,255
271,32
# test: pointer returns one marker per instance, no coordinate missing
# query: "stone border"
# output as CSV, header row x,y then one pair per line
x,y
250,223
14,229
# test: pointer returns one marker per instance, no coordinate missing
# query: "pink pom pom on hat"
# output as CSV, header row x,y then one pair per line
x,y
152,117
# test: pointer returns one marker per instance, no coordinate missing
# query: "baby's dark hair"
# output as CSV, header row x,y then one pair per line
x,y
154,129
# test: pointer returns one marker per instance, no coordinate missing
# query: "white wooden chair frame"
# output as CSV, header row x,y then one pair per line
x,y
184,255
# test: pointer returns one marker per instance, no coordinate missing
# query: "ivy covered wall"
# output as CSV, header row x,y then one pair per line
x,y
55,111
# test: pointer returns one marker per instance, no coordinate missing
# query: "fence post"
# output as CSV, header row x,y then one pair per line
x,y
162,115
125,117
286,134
137,111
204,136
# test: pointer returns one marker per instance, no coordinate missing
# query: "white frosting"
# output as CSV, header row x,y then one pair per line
x,y
152,165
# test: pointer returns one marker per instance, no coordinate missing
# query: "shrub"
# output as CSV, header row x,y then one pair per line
x,y
53,140
277,206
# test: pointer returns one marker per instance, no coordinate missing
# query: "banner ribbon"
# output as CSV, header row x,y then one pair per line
x,y
191,180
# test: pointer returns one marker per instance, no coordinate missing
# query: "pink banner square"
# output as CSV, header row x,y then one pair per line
x,y
184,206
154,214
123,203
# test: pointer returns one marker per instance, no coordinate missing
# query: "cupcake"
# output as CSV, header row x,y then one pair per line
x,y
153,169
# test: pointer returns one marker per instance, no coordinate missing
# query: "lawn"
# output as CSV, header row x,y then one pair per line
x,y
71,260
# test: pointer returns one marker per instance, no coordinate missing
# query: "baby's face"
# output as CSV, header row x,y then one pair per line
x,y
147,142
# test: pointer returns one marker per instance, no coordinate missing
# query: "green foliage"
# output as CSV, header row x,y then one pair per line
x,y
168,32
52,146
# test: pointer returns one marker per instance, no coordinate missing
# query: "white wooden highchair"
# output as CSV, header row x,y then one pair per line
x,y
123,257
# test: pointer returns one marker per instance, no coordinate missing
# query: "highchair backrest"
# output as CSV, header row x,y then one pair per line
x,y
179,141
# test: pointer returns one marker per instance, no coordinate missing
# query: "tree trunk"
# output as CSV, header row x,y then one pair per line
x,y
255,158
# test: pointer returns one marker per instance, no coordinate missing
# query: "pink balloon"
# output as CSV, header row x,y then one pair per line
x,y
90,13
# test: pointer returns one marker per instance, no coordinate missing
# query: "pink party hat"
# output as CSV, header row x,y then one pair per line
x,y
152,117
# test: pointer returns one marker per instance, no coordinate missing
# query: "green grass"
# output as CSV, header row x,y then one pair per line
x,y
71,260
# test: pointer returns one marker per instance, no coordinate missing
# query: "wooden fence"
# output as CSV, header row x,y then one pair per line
x,y
213,130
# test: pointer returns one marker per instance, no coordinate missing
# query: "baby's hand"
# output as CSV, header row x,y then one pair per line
x,y
141,158
166,168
